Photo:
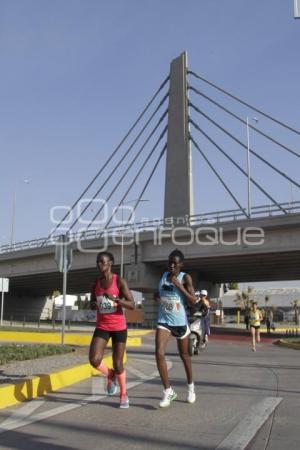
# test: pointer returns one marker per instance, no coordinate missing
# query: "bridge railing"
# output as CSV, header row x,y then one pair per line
x,y
205,219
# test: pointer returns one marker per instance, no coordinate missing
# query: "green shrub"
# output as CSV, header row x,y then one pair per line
x,y
20,352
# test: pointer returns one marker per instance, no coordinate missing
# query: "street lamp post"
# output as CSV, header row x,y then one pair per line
x,y
292,195
297,9
248,164
13,218
122,233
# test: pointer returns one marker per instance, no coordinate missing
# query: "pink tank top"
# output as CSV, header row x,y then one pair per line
x,y
110,315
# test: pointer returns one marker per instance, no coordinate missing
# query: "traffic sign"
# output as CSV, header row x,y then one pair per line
x,y
63,254
4,284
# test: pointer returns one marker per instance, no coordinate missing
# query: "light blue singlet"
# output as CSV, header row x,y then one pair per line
x,y
172,303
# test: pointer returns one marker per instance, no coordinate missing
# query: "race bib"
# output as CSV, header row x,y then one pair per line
x,y
105,305
170,304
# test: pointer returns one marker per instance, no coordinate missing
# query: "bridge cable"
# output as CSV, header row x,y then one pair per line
x,y
138,174
218,176
243,145
148,181
123,158
244,103
238,167
244,121
113,153
127,169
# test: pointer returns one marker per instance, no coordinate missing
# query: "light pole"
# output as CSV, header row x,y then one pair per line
x,y
292,195
297,9
13,218
248,164
122,234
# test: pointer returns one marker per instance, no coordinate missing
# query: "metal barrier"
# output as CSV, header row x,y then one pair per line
x,y
216,217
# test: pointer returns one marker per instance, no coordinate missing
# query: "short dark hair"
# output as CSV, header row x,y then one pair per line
x,y
176,253
109,255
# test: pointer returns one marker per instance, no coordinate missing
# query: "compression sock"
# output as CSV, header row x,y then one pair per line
x,y
104,369
121,377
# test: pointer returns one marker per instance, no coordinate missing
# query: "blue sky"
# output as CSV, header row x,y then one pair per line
x,y
75,74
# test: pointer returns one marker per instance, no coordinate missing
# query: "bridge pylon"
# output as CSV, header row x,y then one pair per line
x,y
178,183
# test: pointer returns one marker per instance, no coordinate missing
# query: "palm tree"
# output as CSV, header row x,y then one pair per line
x,y
243,301
243,298
295,304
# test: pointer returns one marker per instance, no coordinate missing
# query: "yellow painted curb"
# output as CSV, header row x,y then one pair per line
x,y
55,338
139,332
44,384
280,330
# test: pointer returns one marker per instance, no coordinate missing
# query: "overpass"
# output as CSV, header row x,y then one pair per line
x,y
261,249
259,243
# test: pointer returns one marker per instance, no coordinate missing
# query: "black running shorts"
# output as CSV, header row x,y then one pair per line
x,y
116,336
178,332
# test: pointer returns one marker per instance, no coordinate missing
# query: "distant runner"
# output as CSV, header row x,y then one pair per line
x,y
175,291
255,319
109,295
205,307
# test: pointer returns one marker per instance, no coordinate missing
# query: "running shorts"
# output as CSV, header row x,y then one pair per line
x,y
178,332
116,336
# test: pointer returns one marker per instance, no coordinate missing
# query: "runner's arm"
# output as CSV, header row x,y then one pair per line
x,y
127,299
187,289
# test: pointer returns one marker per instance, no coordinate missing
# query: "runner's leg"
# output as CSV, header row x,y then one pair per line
x,y
186,359
118,357
183,348
253,337
258,335
161,340
96,352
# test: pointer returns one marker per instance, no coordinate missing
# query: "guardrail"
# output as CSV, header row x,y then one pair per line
x,y
215,217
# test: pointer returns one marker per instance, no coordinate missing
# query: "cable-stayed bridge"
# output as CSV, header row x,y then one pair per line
x,y
187,150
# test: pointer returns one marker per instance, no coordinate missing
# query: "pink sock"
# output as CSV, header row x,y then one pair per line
x,y
104,369
121,377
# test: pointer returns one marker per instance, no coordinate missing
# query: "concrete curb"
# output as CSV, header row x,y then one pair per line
x,y
44,384
55,338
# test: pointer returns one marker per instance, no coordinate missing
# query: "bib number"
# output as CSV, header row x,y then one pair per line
x,y
170,304
105,305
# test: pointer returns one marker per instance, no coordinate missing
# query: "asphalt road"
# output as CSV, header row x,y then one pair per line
x,y
244,400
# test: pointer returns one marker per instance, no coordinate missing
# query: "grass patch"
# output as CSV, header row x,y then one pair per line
x,y
15,352
29,329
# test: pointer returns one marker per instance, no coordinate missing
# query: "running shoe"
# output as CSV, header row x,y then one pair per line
x,y
253,349
111,383
191,397
168,397
124,401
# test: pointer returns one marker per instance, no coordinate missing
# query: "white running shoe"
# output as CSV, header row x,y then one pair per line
x,y
191,397
124,401
168,397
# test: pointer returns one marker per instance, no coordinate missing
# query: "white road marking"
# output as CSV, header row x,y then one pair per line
x,y
151,361
247,428
141,375
19,417
14,424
